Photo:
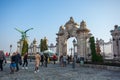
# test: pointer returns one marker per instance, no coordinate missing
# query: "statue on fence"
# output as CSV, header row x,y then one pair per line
x,y
24,36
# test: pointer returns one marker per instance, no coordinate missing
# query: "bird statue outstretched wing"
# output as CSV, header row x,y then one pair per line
x,y
19,30
23,33
28,29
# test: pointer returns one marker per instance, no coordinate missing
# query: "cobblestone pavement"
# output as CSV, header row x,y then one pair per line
x,y
55,72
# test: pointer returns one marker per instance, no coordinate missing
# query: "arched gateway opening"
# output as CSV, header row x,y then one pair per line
x,y
70,46
81,34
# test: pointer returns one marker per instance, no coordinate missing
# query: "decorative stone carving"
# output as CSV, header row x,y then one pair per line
x,y
72,29
70,24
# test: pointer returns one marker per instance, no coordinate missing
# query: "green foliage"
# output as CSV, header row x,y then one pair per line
x,y
100,58
92,47
95,57
43,45
25,47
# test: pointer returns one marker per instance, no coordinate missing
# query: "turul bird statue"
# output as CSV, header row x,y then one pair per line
x,y
24,35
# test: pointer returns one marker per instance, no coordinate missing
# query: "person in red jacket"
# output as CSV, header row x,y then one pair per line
x,y
54,58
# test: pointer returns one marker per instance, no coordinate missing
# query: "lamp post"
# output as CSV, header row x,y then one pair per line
x,y
74,58
10,49
103,51
31,46
74,43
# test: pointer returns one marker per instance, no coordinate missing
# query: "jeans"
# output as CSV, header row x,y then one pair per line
x,y
25,62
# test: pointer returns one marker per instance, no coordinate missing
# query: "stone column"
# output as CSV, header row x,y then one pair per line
x,y
82,34
64,47
80,46
57,46
118,47
18,47
34,46
60,46
114,47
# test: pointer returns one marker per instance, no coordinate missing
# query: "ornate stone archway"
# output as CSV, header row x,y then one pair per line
x,y
72,29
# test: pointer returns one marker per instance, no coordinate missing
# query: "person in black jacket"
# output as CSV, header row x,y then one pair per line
x,y
25,61
13,64
2,59
17,60
42,60
46,59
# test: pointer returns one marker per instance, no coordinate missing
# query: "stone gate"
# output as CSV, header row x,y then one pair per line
x,y
80,32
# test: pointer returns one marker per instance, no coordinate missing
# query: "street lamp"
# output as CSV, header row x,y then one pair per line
x,y
10,49
31,46
103,51
74,58
74,43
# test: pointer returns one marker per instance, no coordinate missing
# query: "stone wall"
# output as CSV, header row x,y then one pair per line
x,y
113,68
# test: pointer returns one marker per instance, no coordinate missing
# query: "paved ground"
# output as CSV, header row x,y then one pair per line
x,y
55,72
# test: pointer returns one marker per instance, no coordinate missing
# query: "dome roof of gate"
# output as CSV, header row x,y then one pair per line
x,y
83,27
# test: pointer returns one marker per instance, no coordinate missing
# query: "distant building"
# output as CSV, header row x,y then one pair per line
x,y
106,49
52,47
116,41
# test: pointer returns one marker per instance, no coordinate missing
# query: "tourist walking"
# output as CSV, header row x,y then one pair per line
x,y
61,60
25,57
54,58
42,60
2,59
13,64
73,63
37,62
64,60
18,61
68,59
46,59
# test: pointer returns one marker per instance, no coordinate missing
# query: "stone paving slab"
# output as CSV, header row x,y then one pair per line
x,y
56,72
